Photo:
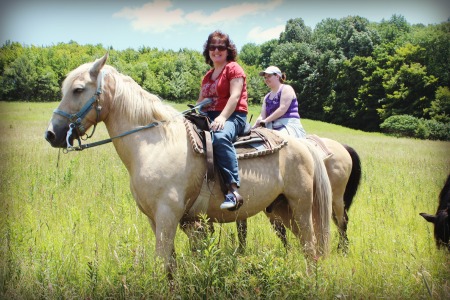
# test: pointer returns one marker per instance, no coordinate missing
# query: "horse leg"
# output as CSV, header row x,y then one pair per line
x,y
338,182
344,171
302,226
196,232
242,234
298,220
340,218
165,226
280,230
276,222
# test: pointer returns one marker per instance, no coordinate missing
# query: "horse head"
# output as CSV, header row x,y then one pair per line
x,y
441,220
80,107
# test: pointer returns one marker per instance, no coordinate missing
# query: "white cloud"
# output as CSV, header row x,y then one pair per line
x,y
161,15
232,13
157,16
258,35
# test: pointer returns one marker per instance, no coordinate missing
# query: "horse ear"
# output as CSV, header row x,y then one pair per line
x,y
98,65
428,217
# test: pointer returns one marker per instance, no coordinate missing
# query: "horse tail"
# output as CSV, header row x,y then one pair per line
x,y
322,201
354,179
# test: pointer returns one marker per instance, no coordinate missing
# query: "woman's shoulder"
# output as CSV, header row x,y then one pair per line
x,y
234,70
287,91
234,66
287,88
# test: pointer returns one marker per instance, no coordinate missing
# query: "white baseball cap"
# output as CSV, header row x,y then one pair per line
x,y
271,70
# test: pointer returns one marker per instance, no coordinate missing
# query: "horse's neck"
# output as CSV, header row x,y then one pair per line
x,y
147,142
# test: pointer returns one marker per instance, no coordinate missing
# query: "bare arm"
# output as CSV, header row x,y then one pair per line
x,y
200,97
261,116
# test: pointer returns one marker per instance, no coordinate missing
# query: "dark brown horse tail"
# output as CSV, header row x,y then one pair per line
x,y
354,179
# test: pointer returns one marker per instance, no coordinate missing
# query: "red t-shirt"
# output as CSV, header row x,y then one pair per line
x,y
219,90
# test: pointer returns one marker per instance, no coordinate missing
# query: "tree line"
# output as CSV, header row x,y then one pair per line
x,y
373,76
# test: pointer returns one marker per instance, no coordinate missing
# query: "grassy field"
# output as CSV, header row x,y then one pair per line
x,y
70,229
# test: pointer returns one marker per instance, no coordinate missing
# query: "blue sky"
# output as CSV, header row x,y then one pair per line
x,y
176,24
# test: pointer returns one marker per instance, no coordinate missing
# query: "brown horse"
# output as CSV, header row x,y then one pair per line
x,y
344,172
441,220
166,174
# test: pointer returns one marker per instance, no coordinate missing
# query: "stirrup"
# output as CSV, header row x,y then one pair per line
x,y
237,199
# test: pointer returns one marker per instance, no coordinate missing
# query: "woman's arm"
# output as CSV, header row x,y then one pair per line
x,y
262,115
200,97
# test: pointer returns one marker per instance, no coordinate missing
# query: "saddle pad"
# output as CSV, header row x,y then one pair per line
x,y
259,142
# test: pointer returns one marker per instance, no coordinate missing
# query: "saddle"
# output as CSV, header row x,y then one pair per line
x,y
249,144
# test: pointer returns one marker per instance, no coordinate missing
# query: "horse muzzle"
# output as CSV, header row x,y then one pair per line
x,y
57,136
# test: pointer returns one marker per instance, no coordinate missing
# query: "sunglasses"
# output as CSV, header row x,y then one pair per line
x,y
218,47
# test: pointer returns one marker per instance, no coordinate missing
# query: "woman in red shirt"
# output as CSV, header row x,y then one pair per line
x,y
226,85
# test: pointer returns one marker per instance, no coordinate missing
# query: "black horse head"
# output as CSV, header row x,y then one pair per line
x,y
441,220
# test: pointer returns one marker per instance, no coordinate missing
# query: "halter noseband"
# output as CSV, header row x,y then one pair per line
x,y
76,118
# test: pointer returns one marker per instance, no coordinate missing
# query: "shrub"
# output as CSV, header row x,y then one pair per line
x,y
401,125
409,126
438,130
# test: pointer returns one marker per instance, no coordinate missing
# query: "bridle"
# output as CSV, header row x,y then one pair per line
x,y
76,118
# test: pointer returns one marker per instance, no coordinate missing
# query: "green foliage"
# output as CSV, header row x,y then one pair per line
x,y
355,37
440,107
409,126
250,54
401,125
434,39
256,87
296,32
266,51
393,29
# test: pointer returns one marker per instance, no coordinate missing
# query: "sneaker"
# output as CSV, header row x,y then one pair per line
x,y
229,202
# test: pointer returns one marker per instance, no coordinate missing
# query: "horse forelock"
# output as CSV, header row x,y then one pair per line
x,y
73,75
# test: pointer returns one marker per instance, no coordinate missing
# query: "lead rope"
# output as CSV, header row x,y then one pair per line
x,y
59,156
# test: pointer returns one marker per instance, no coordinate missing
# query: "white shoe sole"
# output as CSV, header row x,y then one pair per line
x,y
227,205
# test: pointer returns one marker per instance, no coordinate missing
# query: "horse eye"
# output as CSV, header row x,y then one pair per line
x,y
78,90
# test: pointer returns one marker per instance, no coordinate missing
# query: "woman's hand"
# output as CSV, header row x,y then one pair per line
x,y
218,123
259,123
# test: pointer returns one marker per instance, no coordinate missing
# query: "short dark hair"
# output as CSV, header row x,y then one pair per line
x,y
231,47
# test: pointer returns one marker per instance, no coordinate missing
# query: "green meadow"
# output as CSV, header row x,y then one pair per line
x,y
70,229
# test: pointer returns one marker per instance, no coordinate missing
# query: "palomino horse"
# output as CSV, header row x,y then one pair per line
x,y
344,172
166,175
441,219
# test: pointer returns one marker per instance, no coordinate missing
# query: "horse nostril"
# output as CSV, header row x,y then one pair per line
x,y
49,136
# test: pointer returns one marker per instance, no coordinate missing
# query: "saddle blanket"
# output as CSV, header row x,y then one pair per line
x,y
259,142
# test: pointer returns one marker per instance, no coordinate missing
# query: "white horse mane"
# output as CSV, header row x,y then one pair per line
x,y
138,104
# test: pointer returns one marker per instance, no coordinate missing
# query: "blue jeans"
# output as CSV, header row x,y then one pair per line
x,y
224,151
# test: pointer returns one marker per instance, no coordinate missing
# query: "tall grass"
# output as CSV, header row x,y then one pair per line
x,y
69,228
